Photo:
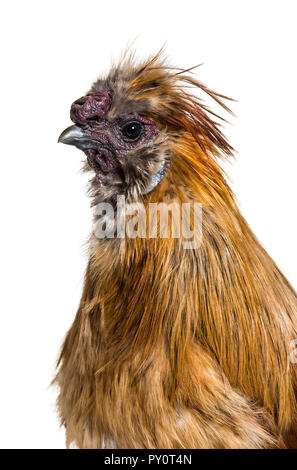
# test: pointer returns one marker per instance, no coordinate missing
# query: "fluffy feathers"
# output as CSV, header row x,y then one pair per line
x,y
175,348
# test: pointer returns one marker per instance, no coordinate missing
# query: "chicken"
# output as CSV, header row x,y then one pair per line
x,y
174,345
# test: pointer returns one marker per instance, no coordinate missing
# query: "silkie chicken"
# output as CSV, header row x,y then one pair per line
x,y
172,347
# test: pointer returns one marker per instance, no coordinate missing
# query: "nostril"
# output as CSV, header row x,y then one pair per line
x,y
80,101
90,108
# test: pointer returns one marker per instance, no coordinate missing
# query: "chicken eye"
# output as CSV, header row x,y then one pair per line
x,y
132,131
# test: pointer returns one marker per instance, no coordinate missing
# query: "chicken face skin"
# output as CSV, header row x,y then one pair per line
x,y
122,146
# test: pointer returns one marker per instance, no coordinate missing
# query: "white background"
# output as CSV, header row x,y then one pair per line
x,y
51,52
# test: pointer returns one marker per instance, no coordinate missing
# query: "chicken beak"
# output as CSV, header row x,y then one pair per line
x,y
75,135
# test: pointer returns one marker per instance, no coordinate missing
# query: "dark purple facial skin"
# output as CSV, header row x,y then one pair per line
x,y
105,143
91,107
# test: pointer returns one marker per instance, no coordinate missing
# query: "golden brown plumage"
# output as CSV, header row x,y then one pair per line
x,y
171,347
